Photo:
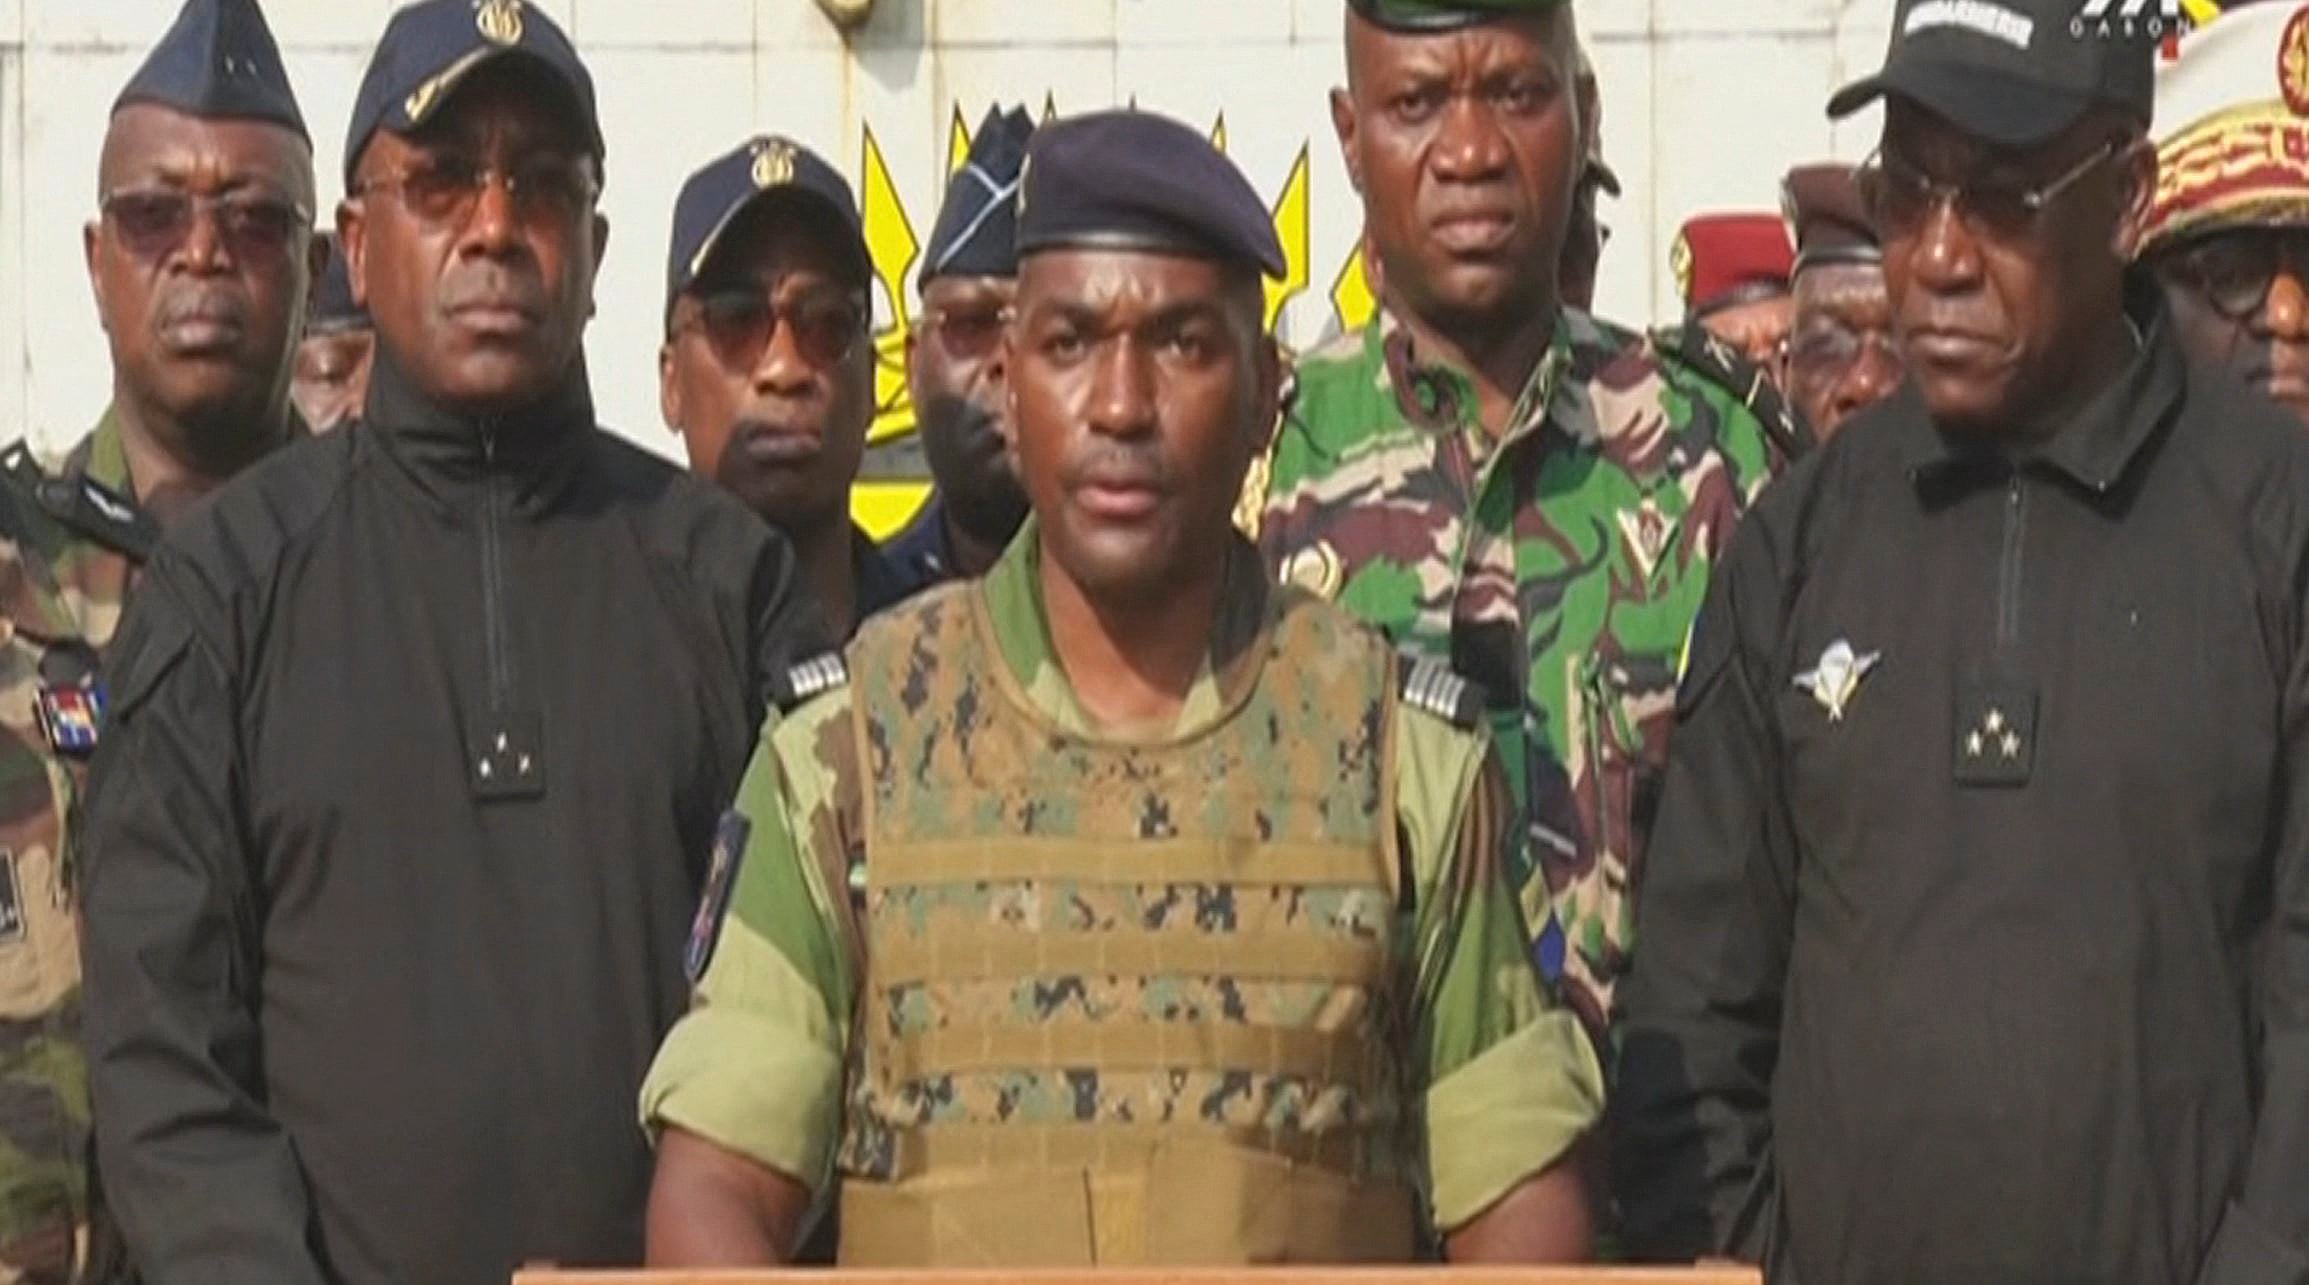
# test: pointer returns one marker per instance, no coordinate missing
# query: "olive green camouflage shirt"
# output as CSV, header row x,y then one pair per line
x,y
65,571
763,1063
1558,565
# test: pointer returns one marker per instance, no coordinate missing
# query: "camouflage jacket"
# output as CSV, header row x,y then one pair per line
x,y
764,1063
1558,565
69,547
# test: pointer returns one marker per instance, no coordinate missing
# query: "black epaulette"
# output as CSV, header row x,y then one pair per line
x,y
1694,346
1432,686
82,505
816,676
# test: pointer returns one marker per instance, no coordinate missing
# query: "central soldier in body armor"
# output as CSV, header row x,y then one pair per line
x,y
1121,908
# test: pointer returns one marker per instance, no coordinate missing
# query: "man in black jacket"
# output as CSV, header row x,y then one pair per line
x,y
420,731
1977,924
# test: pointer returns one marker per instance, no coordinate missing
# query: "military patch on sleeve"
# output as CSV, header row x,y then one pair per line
x,y
705,930
813,677
1432,686
11,899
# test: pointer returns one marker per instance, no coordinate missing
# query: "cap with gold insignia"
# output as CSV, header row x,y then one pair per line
x,y
1822,203
431,47
1445,15
1134,180
977,232
1723,260
218,61
2232,127
761,173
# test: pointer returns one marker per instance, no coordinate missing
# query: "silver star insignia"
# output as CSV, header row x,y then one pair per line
x,y
2010,745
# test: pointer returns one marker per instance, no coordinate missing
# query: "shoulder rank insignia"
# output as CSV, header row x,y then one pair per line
x,y
816,676
1432,686
1693,345
92,510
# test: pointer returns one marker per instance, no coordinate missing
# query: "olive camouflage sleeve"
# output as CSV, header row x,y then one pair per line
x,y
756,1065
1511,1081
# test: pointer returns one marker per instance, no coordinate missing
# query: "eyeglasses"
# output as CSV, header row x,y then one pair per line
x,y
968,333
1831,345
1903,197
546,190
2233,272
154,222
739,324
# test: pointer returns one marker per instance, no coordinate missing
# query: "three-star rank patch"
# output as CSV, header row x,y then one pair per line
x,y
1995,732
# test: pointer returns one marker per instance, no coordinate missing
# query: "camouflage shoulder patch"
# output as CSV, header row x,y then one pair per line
x,y
1692,347
705,930
1430,685
813,677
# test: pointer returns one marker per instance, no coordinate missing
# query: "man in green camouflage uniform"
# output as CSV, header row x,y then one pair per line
x,y
1504,483
1052,969
200,265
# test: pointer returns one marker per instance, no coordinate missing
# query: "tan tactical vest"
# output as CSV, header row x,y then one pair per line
x,y
1126,1003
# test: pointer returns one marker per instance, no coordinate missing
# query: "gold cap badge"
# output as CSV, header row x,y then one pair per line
x,y
773,163
2293,63
499,21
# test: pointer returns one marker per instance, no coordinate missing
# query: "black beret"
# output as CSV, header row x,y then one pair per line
x,y
430,47
977,232
1136,180
1445,15
758,172
218,61
332,308
1822,204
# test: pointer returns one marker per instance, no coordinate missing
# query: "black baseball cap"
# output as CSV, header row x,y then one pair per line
x,y
758,173
2013,73
428,50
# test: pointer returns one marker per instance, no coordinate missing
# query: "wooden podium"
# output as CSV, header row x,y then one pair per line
x,y
1175,1276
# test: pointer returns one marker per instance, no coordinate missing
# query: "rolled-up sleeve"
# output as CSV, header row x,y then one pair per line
x,y
756,1066
1511,1082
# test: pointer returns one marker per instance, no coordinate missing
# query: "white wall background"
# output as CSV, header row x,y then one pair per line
x,y
1707,102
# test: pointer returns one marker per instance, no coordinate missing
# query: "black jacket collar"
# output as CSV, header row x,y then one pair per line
x,y
449,455
2097,447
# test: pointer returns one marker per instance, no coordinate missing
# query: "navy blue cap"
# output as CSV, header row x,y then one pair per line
x,y
977,232
332,307
429,48
1134,180
219,60
758,173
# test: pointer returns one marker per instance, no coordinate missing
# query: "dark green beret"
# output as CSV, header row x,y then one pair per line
x,y
1445,15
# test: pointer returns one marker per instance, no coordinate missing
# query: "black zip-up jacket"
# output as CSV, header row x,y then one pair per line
x,y
417,738
1991,964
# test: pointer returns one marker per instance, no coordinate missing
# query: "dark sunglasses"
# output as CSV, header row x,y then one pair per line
x,y
740,322
969,333
155,222
2233,272
444,190
1902,197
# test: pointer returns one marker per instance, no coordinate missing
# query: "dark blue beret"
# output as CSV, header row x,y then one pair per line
x,y
977,232
332,307
1446,15
1136,180
218,61
430,47
761,171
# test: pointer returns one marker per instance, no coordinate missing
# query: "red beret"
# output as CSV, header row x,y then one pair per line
x,y
1724,259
